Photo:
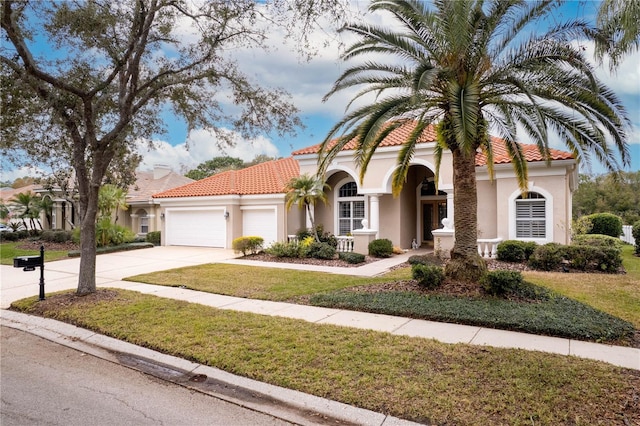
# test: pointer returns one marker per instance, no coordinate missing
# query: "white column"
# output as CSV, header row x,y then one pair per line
x,y
450,207
374,213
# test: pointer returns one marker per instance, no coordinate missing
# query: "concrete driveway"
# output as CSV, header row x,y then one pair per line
x,y
63,274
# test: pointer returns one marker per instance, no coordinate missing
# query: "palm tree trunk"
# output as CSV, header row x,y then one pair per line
x,y
313,225
466,264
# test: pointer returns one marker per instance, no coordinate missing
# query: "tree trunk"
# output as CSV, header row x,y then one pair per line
x,y
313,225
466,264
88,213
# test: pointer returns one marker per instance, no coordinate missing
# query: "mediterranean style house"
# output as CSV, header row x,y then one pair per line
x,y
214,211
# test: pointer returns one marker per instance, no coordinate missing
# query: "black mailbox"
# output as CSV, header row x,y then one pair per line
x,y
30,263
27,261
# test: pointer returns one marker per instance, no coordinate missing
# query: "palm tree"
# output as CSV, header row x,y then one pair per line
x,y
619,21
304,191
468,66
111,198
25,204
46,205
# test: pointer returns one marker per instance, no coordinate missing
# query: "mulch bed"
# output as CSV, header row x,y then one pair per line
x,y
48,245
264,257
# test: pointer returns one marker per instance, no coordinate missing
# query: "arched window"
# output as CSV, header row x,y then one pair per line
x,y
350,208
531,220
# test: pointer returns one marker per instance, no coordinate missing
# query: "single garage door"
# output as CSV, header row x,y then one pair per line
x,y
260,223
200,228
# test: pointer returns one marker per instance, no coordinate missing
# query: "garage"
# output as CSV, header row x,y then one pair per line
x,y
260,222
199,228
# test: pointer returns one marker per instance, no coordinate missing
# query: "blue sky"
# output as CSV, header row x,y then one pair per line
x,y
308,82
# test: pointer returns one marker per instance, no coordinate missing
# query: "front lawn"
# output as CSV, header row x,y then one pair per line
x,y
9,250
411,378
555,315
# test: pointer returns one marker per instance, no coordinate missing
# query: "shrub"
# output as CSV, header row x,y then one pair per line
x,y
281,249
606,224
427,276
547,257
500,282
252,244
321,251
581,226
111,234
324,237
154,237
635,231
511,251
56,235
597,241
353,258
9,236
381,248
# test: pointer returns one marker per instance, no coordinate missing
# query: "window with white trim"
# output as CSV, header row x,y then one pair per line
x,y
350,208
531,218
144,222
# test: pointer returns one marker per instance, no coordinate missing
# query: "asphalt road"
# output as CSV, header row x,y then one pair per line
x,y
44,383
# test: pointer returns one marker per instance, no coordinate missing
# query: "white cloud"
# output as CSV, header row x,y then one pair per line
x,y
202,145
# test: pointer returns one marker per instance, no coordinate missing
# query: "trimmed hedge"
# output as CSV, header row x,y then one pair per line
x,y
423,259
56,235
597,240
251,244
381,248
552,256
154,237
427,276
321,251
515,250
500,282
114,249
605,224
353,258
635,231
284,249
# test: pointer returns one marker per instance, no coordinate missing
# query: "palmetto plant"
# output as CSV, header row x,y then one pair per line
x,y
304,191
26,205
467,67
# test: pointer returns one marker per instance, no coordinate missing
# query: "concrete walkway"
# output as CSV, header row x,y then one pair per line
x,y
111,268
294,406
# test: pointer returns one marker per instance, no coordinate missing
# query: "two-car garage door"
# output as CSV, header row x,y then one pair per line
x,y
201,228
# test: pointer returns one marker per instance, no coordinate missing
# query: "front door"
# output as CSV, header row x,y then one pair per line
x,y
433,211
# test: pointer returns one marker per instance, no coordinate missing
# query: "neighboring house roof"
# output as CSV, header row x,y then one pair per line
x,y
500,155
7,193
270,177
152,182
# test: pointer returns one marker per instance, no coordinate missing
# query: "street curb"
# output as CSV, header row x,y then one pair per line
x,y
286,404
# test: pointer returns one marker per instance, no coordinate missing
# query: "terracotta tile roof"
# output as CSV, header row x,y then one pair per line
x,y
500,156
530,151
270,177
146,185
7,193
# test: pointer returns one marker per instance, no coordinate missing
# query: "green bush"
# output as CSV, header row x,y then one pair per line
x,y
282,249
427,276
499,283
111,234
244,245
324,237
353,258
381,248
154,238
597,241
606,224
321,251
56,235
511,251
635,231
547,257
9,236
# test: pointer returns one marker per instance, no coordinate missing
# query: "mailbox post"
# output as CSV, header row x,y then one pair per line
x,y
29,263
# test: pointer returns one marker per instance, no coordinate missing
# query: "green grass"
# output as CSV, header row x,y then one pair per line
x,y
9,250
257,282
556,316
616,294
411,378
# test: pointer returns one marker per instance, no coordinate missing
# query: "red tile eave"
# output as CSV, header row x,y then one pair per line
x,y
266,178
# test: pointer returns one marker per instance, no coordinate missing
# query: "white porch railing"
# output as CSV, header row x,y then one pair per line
x,y
627,235
488,247
345,244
